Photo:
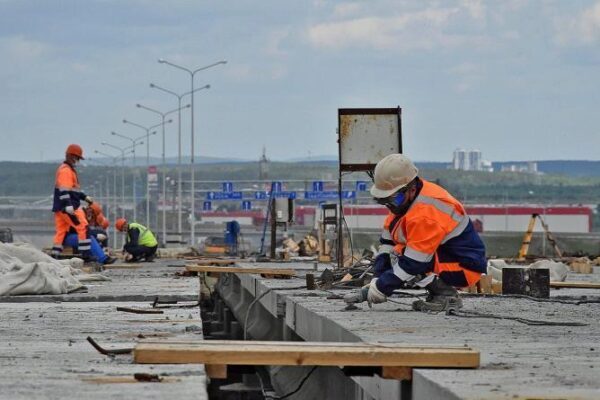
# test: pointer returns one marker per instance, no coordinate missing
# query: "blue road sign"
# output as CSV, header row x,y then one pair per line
x,y
346,194
277,186
262,195
317,186
361,186
206,206
223,196
246,205
227,187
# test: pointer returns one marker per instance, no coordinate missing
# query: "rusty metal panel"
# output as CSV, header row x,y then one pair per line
x,y
366,135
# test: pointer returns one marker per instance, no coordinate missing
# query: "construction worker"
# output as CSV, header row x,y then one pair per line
x,y
140,243
428,240
98,223
67,203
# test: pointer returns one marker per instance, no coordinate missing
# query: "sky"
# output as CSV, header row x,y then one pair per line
x,y
516,79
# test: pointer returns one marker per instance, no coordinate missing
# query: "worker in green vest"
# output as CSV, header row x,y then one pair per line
x,y
140,244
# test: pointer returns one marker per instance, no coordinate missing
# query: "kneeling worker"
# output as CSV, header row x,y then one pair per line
x,y
140,243
428,240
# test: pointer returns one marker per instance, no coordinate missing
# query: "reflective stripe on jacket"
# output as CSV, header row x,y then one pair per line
x,y
66,188
435,229
145,238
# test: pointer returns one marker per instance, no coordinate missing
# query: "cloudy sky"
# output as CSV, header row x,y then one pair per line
x,y
517,79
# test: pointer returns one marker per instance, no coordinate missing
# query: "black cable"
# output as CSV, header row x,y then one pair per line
x,y
256,300
475,314
285,396
537,299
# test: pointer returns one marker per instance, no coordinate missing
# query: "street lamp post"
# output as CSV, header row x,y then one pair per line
x,y
114,198
147,129
122,150
163,115
179,178
134,143
192,73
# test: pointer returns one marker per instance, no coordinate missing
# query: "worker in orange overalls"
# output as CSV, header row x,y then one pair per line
x,y
97,223
67,209
428,240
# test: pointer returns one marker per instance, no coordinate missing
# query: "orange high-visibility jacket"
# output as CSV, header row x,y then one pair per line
x,y
66,188
434,229
95,216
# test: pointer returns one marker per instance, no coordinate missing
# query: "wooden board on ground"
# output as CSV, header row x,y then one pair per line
x,y
241,270
213,261
233,352
123,266
575,285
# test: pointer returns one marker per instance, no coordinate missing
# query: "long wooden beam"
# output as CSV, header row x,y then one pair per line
x,y
241,270
232,352
578,285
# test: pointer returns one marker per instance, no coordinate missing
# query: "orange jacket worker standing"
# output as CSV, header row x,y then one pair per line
x,y
67,203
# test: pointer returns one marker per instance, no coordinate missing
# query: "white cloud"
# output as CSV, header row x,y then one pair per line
x,y
582,29
20,49
475,8
347,9
274,42
403,32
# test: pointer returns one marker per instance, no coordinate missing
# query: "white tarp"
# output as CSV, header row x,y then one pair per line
x,y
26,270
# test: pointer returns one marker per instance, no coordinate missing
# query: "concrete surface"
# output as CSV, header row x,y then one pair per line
x,y
517,360
44,353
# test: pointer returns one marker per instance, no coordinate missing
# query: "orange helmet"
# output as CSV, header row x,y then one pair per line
x,y
121,222
75,150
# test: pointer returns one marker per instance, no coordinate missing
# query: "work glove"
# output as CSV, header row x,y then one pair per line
x,y
70,210
89,199
374,296
357,296
101,236
381,264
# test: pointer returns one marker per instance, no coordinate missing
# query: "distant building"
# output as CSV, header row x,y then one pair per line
x,y
470,160
529,167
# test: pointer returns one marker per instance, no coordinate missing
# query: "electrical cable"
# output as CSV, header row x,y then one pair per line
x,y
285,396
256,300
475,314
531,298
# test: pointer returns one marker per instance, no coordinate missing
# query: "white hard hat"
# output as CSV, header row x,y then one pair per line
x,y
392,173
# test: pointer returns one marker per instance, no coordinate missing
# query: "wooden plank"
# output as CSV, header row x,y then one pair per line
x,y
234,352
241,270
216,371
575,285
399,373
213,261
123,266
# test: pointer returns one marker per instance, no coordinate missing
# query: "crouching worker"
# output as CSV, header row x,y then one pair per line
x,y
140,243
96,253
428,240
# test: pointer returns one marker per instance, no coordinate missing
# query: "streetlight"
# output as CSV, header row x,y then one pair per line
x,y
114,159
192,73
179,178
134,143
163,115
147,129
122,150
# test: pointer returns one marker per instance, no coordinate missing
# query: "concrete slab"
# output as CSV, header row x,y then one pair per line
x,y
517,360
44,353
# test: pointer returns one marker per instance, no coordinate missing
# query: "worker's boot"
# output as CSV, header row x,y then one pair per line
x,y
440,297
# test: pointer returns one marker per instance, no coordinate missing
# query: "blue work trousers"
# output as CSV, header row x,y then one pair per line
x,y
95,249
